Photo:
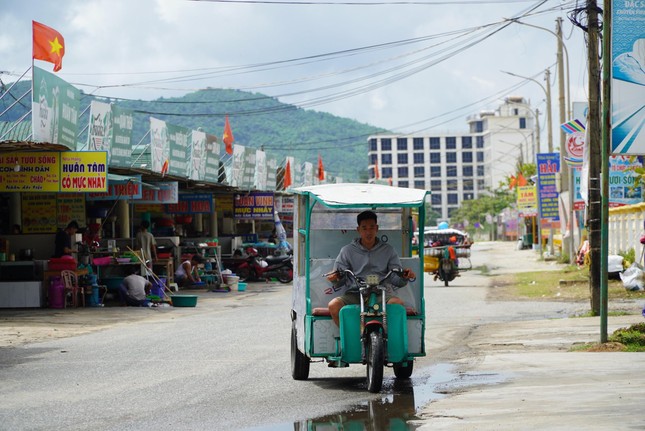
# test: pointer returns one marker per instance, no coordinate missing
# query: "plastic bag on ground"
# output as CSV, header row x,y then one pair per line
x,y
633,277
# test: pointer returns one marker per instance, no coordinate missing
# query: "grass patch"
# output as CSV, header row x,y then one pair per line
x,y
630,339
569,284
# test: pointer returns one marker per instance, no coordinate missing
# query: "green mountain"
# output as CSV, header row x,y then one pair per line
x,y
256,120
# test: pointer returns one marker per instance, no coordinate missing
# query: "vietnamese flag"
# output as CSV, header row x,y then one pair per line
x,y
321,169
228,137
377,174
49,45
287,175
521,181
512,182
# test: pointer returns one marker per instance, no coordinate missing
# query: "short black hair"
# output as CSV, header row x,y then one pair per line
x,y
72,224
366,215
197,258
145,224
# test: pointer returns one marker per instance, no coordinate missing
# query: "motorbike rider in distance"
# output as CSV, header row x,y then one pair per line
x,y
363,256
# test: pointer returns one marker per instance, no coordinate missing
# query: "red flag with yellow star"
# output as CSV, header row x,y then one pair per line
x,y
228,137
49,45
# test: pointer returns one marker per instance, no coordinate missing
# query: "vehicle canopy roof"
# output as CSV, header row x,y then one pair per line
x,y
355,195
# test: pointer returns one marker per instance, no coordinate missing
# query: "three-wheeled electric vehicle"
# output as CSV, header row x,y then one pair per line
x,y
371,333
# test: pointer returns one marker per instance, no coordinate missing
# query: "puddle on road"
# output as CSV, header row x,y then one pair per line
x,y
401,402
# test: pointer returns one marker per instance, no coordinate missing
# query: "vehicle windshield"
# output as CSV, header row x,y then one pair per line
x,y
333,219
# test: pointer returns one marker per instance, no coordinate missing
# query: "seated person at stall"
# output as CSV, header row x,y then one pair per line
x,y
63,240
187,273
133,290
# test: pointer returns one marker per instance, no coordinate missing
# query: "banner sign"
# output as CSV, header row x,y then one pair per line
x,y
68,171
548,165
191,204
39,212
178,140
624,185
527,201
122,125
83,171
258,206
236,176
628,77
211,173
30,172
100,131
159,145
162,193
120,190
54,114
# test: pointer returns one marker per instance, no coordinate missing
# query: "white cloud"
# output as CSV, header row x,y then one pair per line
x,y
115,41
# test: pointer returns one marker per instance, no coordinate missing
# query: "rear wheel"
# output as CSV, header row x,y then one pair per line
x,y
285,275
299,361
403,371
375,362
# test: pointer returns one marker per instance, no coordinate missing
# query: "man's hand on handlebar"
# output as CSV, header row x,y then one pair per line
x,y
334,276
409,274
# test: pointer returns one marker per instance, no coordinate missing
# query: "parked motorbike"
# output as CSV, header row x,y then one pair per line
x,y
255,267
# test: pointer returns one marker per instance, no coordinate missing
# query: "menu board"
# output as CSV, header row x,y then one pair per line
x,y
39,213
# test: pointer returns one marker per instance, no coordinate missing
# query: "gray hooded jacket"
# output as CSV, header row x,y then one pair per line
x,y
363,262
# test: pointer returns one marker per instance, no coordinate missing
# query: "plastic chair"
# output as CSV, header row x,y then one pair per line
x,y
70,279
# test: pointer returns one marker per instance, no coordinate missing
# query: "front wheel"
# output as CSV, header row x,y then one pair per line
x,y
299,361
402,371
375,355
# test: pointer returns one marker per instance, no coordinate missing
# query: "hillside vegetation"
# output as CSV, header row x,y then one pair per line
x,y
256,121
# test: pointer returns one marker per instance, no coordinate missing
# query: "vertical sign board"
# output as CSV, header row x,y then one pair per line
x,y
548,165
527,201
122,125
178,140
211,170
54,114
159,145
197,156
628,77
99,137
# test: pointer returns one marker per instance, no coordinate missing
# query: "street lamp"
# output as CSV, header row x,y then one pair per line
x,y
547,93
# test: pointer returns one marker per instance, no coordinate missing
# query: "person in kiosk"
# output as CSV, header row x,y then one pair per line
x,y
63,240
363,256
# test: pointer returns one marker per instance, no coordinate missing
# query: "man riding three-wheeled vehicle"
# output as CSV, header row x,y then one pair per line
x,y
385,324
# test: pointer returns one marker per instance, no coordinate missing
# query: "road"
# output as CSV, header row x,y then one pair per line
x,y
225,364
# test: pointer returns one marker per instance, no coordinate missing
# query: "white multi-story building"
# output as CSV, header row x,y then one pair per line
x,y
459,166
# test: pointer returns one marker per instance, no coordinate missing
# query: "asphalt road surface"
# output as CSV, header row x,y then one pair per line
x,y
225,364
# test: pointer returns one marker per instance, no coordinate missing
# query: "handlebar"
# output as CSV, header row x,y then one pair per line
x,y
397,271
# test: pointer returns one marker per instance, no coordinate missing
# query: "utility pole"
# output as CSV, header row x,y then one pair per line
x,y
549,129
595,160
565,172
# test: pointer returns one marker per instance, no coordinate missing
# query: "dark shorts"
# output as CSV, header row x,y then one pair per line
x,y
354,298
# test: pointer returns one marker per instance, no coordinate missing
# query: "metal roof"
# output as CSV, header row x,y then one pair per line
x,y
364,195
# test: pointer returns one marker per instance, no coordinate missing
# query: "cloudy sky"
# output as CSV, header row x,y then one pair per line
x,y
404,66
